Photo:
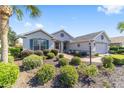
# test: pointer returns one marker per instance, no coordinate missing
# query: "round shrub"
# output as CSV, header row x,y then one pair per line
x,y
107,61
61,56
46,73
55,51
68,76
10,59
38,52
88,71
46,51
50,55
8,74
75,61
63,61
97,54
32,62
15,52
26,53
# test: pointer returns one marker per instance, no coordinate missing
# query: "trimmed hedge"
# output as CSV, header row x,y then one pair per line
x,y
46,73
26,53
118,59
61,56
68,76
50,55
75,61
55,51
32,61
89,71
63,61
10,59
38,52
8,74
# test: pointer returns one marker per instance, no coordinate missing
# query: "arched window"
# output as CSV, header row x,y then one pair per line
x,y
62,35
102,37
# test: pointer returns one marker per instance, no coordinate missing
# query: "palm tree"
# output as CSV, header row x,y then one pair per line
x,y
121,27
5,13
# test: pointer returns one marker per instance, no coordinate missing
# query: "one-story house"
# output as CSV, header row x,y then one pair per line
x,y
63,41
117,41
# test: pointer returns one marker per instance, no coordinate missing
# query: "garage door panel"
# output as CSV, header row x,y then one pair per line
x,y
101,48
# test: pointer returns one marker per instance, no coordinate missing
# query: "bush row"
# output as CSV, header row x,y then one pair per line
x,y
116,50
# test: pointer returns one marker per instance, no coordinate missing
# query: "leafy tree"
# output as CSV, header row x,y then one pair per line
x,y
12,37
6,12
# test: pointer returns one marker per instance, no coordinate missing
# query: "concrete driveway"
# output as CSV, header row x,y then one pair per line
x,y
86,59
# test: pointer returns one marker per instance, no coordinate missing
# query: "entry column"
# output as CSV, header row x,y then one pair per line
x,y
61,44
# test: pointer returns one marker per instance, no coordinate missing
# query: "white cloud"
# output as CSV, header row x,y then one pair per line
x,y
62,27
110,9
39,25
27,24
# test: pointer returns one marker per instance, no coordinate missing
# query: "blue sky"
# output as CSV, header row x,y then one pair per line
x,y
76,20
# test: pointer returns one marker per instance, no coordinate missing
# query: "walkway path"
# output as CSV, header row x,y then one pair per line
x,y
86,59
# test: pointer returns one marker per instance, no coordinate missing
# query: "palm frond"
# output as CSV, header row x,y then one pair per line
x,y
121,27
18,12
34,11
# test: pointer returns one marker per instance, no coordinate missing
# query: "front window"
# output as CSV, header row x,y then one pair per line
x,y
40,44
102,37
62,35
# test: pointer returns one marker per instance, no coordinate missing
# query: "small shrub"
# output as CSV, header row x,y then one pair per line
x,y
83,53
118,59
8,74
77,54
50,55
55,51
46,51
120,51
61,56
46,73
38,52
108,62
44,57
97,54
75,61
15,52
10,59
106,84
112,51
88,71
63,61
32,62
68,76
26,53
115,48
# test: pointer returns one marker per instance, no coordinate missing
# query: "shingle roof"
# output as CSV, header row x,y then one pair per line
x,y
119,39
86,37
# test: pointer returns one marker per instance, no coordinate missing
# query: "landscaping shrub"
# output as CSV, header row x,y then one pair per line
x,y
77,54
97,54
15,52
83,53
46,51
118,59
108,62
61,56
120,51
115,48
46,73
38,52
10,59
50,55
26,53
55,51
8,74
32,62
75,61
68,76
112,51
88,71
63,61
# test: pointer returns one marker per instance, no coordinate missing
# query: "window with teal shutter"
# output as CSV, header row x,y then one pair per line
x,y
31,44
47,44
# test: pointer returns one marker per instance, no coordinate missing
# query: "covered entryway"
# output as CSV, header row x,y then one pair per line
x,y
62,46
101,48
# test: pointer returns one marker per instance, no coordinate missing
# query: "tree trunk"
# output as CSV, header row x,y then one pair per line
x,y
4,39
5,13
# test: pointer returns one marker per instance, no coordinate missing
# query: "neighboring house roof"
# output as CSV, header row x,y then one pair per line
x,y
119,39
61,31
87,37
38,30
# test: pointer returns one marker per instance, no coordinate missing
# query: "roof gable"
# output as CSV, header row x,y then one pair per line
x,y
118,39
53,34
38,30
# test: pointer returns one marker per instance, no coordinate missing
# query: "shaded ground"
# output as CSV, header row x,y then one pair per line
x,y
27,78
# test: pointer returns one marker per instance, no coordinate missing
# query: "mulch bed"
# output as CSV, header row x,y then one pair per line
x,y
27,78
